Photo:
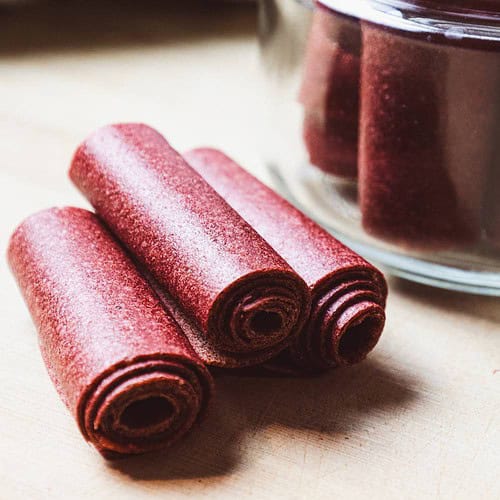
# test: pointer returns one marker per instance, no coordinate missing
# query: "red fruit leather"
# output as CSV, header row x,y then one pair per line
x,y
348,294
119,362
245,299
426,139
330,93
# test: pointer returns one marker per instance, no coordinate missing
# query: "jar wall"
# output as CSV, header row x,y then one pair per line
x,y
388,137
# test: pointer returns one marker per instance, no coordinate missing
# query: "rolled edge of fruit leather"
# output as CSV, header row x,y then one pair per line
x,y
120,363
348,294
245,299
330,93
420,178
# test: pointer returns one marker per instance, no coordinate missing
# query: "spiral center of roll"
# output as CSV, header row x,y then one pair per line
x,y
358,339
265,322
146,412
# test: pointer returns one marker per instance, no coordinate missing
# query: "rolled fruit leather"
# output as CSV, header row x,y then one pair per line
x,y
330,92
426,138
348,294
119,362
245,299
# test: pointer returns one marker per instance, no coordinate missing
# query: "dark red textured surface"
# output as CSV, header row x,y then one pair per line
x,y
425,139
119,362
330,93
244,298
348,293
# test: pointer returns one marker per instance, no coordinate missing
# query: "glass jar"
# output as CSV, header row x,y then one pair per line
x,y
384,126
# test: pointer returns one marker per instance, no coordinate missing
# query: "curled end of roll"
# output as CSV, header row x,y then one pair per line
x,y
357,333
144,405
260,313
347,320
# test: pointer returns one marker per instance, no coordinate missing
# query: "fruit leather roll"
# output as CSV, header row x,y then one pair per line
x,y
348,294
425,139
119,362
330,93
245,299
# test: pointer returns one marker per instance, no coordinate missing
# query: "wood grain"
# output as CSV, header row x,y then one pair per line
x,y
419,419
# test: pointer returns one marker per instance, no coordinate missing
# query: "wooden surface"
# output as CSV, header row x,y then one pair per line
x,y
419,419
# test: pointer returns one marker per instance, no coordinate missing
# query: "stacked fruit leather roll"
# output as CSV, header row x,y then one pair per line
x,y
118,360
185,265
245,300
348,294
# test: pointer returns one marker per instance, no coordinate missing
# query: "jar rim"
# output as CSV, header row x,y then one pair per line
x,y
454,20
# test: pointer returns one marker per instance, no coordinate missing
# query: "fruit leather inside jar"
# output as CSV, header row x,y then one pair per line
x,y
428,134
330,93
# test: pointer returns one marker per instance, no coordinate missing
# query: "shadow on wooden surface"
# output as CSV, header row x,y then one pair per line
x,y
65,25
477,306
331,407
